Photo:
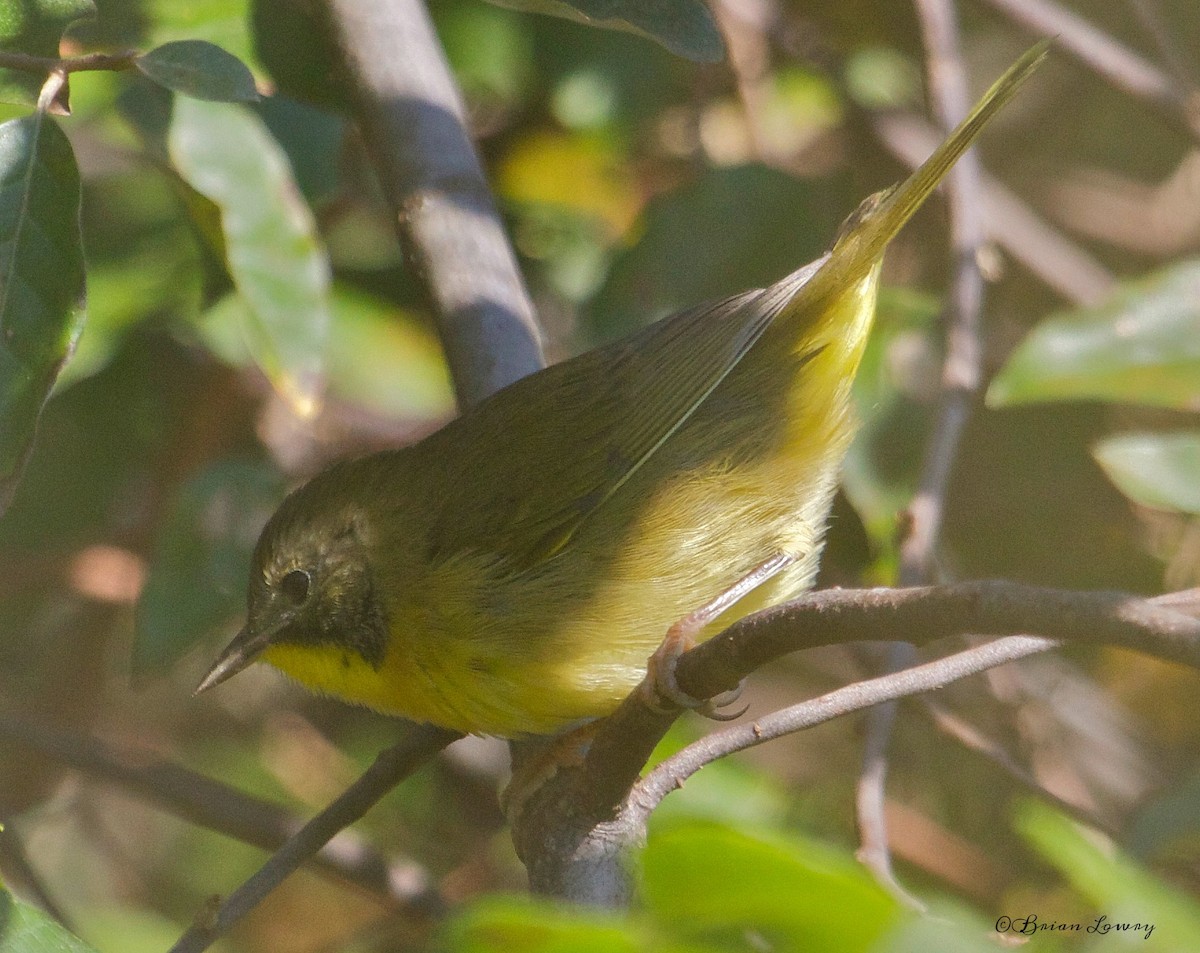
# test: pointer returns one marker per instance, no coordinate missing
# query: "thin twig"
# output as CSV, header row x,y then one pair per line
x,y
593,824
41,65
962,372
1182,71
208,803
671,773
413,121
1123,68
390,768
962,377
971,738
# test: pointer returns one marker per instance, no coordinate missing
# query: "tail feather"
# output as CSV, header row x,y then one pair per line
x,y
865,235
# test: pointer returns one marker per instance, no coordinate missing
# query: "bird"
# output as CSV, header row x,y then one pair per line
x,y
512,573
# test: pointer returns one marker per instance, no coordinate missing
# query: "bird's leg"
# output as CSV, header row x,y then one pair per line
x,y
660,689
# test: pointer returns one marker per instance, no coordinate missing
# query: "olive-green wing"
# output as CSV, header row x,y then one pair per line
x,y
551,449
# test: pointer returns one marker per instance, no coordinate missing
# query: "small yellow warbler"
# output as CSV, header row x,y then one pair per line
x,y
511,573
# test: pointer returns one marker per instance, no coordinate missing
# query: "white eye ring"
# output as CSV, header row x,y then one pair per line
x,y
294,585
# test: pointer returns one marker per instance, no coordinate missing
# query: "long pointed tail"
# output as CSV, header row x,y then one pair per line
x,y
865,235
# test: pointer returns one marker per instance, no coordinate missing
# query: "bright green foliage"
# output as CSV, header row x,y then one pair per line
x,y
1115,887
1141,346
1159,470
25,929
200,70
41,278
713,883
34,27
270,243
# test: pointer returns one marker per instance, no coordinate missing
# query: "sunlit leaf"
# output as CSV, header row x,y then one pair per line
x,y
575,173
1142,346
1159,470
271,246
34,27
523,925
378,357
200,70
1129,903
201,562
708,881
41,279
25,929
685,27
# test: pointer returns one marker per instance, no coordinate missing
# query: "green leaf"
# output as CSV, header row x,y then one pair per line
x,y
524,925
34,27
685,27
200,70
1159,470
379,357
699,244
272,250
222,22
1123,893
41,279
1141,346
707,881
25,929
198,575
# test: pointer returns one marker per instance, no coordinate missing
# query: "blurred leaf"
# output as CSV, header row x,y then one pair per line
x,y
731,229
523,925
685,27
1167,824
292,42
272,250
200,70
1159,470
34,27
1142,346
881,470
1121,891
726,791
198,575
489,49
221,22
25,929
707,881
41,279
378,357
573,172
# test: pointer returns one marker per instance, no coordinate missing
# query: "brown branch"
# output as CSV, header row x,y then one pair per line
x,y
27,63
208,803
574,831
391,767
671,773
413,121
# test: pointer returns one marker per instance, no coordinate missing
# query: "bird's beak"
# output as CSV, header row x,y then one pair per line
x,y
246,646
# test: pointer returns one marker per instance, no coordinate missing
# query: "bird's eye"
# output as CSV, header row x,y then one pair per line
x,y
295,586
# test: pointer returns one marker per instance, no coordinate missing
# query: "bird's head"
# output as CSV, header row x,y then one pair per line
x,y
311,584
